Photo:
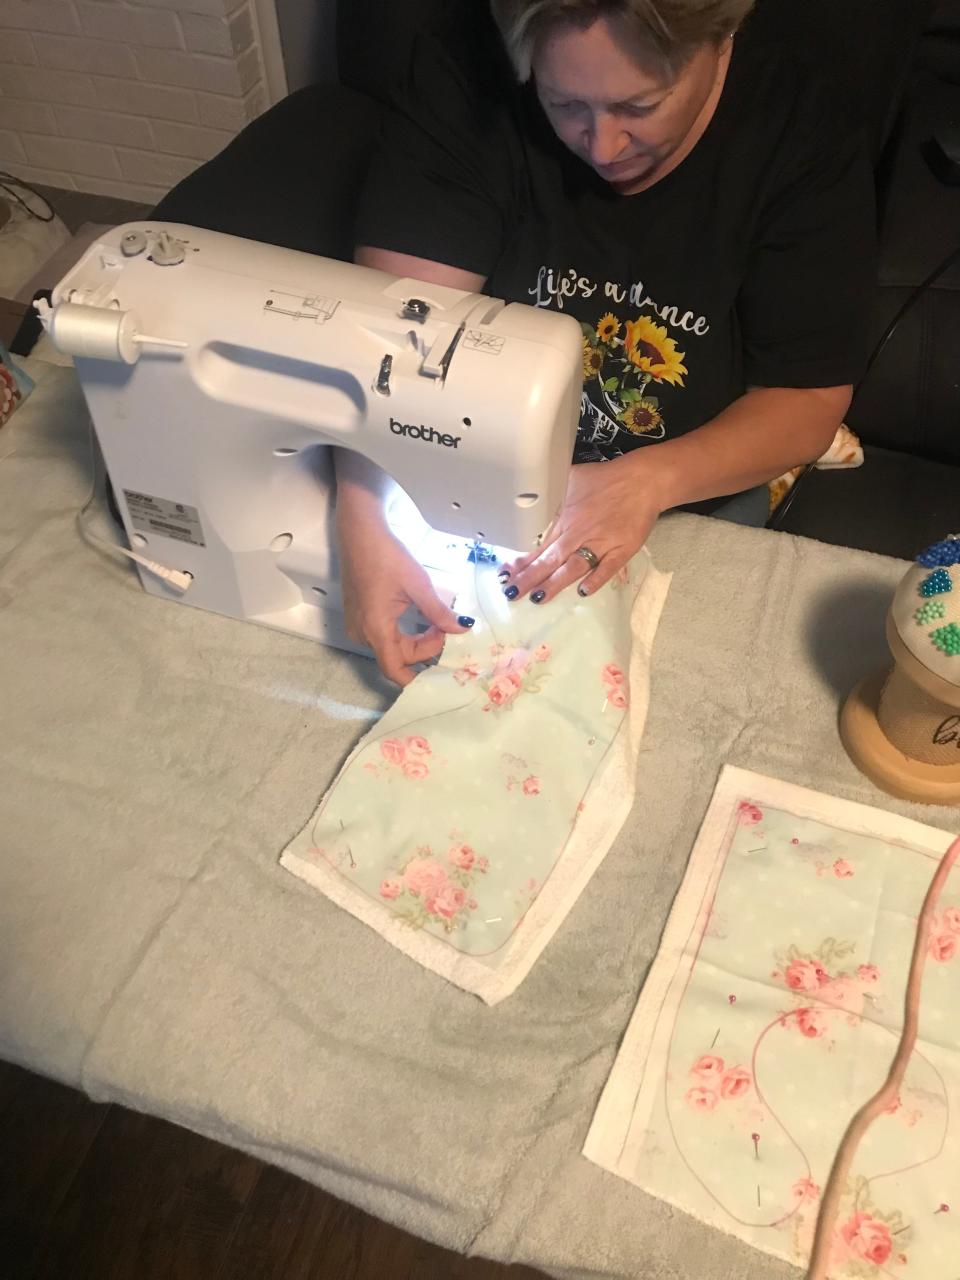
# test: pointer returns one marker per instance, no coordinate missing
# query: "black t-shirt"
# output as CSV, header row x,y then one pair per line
x,y
747,265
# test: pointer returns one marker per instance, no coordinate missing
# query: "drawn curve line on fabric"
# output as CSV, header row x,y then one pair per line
x,y
725,845
560,852
894,1034
722,859
397,729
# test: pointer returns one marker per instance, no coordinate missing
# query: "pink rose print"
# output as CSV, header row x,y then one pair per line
x,y
748,815
503,689
415,769
447,902
462,856
701,1099
424,876
868,973
617,698
842,869
483,865
812,1023
805,1189
417,747
708,1067
951,919
867,1238
392,750
804,975
541,653
512,675
531,786
894,1107
735,1083
427,893
943,947
469,671
611,674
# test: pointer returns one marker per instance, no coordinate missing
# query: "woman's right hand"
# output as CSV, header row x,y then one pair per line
x,y
381,579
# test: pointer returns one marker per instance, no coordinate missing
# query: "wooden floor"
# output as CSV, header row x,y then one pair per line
x,y
92,1192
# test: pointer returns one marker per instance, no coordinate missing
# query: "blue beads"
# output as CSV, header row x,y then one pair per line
x,y
936,584
941,554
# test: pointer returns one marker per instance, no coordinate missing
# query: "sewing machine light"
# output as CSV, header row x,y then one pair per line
x,y
448,558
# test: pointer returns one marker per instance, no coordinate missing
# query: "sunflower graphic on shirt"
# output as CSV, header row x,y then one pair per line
x,y
622,363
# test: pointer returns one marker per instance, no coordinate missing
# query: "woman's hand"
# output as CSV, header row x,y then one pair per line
x,y
610,507
381,579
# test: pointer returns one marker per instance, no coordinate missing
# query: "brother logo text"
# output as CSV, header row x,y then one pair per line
x,y
430,434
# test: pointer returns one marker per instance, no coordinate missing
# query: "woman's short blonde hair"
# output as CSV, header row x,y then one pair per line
x,y
663,33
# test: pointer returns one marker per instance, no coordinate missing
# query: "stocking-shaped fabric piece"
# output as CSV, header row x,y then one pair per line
x,y
466,824
773,1012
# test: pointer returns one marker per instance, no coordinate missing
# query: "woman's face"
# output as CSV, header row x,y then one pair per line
x,y
625,122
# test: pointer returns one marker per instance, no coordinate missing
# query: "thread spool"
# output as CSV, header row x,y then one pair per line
x,y
98,333
901,727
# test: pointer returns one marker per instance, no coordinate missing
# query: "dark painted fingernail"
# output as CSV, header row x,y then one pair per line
x,y
503,575
582,590
537,596
511,592
465,621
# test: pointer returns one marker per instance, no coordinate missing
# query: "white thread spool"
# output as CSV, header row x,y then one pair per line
x,y
100,333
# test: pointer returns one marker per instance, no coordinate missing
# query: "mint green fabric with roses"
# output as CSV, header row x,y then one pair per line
x,y
450,820
772,1013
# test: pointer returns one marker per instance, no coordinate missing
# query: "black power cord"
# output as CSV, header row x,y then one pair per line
x,y
5,185
953,256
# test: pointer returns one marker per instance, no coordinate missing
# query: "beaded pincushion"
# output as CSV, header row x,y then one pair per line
x,y
926,609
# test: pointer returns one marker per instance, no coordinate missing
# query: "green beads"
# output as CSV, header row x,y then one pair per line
x,y
936,583
929,612
947,639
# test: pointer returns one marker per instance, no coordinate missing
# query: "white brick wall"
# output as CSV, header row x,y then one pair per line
x,y
124,97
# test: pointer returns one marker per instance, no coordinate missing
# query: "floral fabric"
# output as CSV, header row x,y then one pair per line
x,y
455,818
772,1013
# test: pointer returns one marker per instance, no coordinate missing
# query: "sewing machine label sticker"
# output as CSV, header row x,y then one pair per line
x,y
477,340
171,519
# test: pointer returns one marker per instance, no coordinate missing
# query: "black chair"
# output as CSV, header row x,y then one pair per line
x,y
293,178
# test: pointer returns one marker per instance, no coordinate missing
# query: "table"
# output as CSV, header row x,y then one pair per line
x,y
155,760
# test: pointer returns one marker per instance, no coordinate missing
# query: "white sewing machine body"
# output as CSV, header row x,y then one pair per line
x,y
218,371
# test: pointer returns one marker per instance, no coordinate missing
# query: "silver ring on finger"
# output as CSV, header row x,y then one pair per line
x,y
592,559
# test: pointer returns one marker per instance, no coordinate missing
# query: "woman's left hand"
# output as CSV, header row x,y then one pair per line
x,y
610,508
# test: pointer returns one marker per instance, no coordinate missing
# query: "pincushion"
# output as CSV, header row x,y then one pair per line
x,y
926,609
902,727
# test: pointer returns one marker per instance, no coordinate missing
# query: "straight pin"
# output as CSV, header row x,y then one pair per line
x,y
716,1038
756,1145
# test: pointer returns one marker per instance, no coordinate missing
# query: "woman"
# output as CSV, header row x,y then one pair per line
x,y
656,169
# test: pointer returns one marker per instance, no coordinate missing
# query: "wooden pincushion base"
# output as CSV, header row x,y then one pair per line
x,y
875,755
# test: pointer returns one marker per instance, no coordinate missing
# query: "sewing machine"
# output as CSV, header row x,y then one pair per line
x,y
218,371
